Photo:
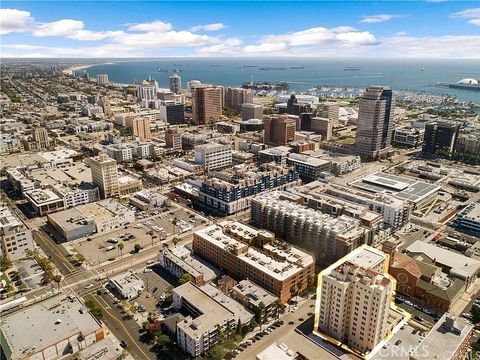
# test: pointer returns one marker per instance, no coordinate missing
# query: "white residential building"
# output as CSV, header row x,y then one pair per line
x,y
15,237
213,156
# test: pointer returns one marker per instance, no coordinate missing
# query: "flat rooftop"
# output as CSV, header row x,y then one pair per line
x,y
254,293
46,323
278,150
8,218
460,265
231,304
42,196
308,160
184,258
70,219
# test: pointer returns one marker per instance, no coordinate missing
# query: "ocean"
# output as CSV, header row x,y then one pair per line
x,y
302,74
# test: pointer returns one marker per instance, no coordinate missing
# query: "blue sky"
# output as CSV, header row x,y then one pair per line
x,y
431,29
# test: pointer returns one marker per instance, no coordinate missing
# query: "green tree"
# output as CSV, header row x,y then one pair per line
x,y
475,310
163,342
79,259
58,279
5,263
137,248
253,324
238,330
184,279
120,248
216,353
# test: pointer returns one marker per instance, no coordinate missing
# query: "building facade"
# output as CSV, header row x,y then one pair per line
x,y
105,175
15,237
207,104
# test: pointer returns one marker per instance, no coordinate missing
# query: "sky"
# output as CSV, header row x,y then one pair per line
x,y
117,29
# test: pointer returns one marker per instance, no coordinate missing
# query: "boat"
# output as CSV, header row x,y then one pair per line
x,y
272,68
466,84
216,65
163,70
298,67
423,69
351,68
250,66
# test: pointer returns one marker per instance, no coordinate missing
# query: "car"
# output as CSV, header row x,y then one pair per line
x,y
418,318
89,286
99,292
150,262
301,319
258,337
112,241
398,342
123,344
148,270
408,302
291,323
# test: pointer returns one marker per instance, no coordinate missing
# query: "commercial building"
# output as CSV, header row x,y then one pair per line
x,y
213,155
277,154
440,137
329,110
72,224
234,98
231,191
15,237
408,137
208,318
468,219
62,325
102,79
354,297
127,285
467,147
254,124
309,168
104,175
172,113
279,129
39,140
244,252
175,83
322,126
140,127
44,201
128,184
251,111
374,126
448,339
294,107
173,139
328,237
180,260
207,103
147,200
255,297
147,90
120,152
83,193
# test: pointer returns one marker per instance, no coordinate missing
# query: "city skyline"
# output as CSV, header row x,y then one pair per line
x,y
428,29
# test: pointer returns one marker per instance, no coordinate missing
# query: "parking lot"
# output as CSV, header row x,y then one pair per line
x,y
30,272
157,282
401,344
148,230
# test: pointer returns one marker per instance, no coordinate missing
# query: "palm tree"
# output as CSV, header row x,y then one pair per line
x,y
153,237
120,248
57,279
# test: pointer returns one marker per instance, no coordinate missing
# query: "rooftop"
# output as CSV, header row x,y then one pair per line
x,y
51,321
42,196
8,218
70,219
254,293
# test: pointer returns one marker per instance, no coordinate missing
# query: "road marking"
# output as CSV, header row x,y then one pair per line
x,y
123,326
46,241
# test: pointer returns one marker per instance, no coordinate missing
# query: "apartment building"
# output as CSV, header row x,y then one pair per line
x,y
173,139
279,129
207,103
213,155
15,237
140,127
104,175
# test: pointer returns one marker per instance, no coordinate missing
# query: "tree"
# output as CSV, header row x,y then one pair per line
x,y
79,259
475,310
238,330
136,248
163,342
186,277
175,241
57,279
5,263
216,353
253,324
120,248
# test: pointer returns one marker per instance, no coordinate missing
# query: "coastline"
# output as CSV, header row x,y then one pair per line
x,y
71,69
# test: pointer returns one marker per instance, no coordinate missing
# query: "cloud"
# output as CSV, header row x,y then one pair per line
x,y
154,26
472,15
374,19
266,47
401,33
13,20
208,27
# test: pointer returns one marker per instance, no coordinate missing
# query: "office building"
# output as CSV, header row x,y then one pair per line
x,y
408,137
44,201
294,107
468,219
147,90
309,168
15,237
105,175
227,127
208,318
172,113
231,190
467,148
327,236
251,125
329,110
140,127
251,111
305,122
49,329
120,152
234,98
322,126
127,285
448,339
374,126
207,104
173,139
244,252
213,155
354,296
277,154
72,224
175,83
102,79
440,137
38,141
279,129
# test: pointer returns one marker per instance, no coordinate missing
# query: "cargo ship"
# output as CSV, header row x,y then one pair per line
x,y
466,84
351,68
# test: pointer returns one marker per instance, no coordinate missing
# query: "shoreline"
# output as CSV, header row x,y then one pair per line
x,y
69,70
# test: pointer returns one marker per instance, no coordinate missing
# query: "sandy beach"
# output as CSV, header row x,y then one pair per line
x,y
70,70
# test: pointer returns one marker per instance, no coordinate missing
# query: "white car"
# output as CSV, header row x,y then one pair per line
x,y
150,262
89,286
148,270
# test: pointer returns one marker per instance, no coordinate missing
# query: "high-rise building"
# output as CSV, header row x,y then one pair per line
x,y
305,122
140,127
104,102
323,126
296,108
175,83
251,111
172,112
374,126
279,129
329,110
213,156
440,137
173,139
207,103
102,79
147,90
234,98
104,175
40,139
15,237
353,300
